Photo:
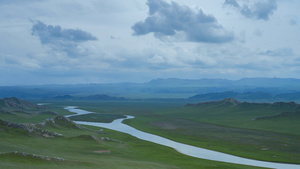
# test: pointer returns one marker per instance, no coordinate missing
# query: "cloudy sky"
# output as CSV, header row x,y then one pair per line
x,y
100,41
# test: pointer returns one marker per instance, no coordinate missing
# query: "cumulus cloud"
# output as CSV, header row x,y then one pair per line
x,y
181,22
257,10
61,40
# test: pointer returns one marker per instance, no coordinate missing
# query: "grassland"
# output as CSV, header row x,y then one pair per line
x,y
91,147
221,126
231,128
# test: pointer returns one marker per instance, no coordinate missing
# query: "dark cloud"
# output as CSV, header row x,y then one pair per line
x,y
259,10
64,40
171,19
231,3
50,33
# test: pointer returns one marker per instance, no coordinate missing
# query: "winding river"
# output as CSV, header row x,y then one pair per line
x,y
182,148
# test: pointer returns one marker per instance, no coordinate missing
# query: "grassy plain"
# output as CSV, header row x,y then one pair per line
x,y
92,148
223,127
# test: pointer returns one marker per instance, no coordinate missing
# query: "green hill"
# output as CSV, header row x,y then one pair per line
x,y
233,113
21,111
61,122
14,102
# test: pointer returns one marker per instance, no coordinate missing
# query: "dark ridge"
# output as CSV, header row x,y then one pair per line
x,y
282,115
232,101
13,102
226,101
215,96
90,97
286,104
102,97
247,96
64,97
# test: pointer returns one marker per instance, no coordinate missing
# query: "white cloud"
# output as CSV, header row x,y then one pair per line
x,y
254,9
264,45
62,40
169,19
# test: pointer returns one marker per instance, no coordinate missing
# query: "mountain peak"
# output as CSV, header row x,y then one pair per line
x,y
231,101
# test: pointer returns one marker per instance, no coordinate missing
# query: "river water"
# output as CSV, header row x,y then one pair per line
x,y
182,148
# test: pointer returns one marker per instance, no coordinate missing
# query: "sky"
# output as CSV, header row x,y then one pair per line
x,y
100,41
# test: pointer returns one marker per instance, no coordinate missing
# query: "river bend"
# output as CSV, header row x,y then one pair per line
x,y
180,147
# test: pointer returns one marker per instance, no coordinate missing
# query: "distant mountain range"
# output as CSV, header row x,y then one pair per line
x,y
271,89
90,97
245,82
248,96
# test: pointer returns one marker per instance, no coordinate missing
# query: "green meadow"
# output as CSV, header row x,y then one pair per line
x,y
89,147
223,126
236,129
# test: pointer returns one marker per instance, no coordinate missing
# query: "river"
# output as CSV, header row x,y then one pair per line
x,y
189,150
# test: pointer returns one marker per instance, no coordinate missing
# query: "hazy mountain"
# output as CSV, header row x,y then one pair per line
x,y
244,89
173,82
102,97
90,97
247,96
64,97
290,96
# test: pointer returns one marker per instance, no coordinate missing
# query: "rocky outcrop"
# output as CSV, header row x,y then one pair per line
x,y
13,102
60,121
30,128
3,110
33,156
